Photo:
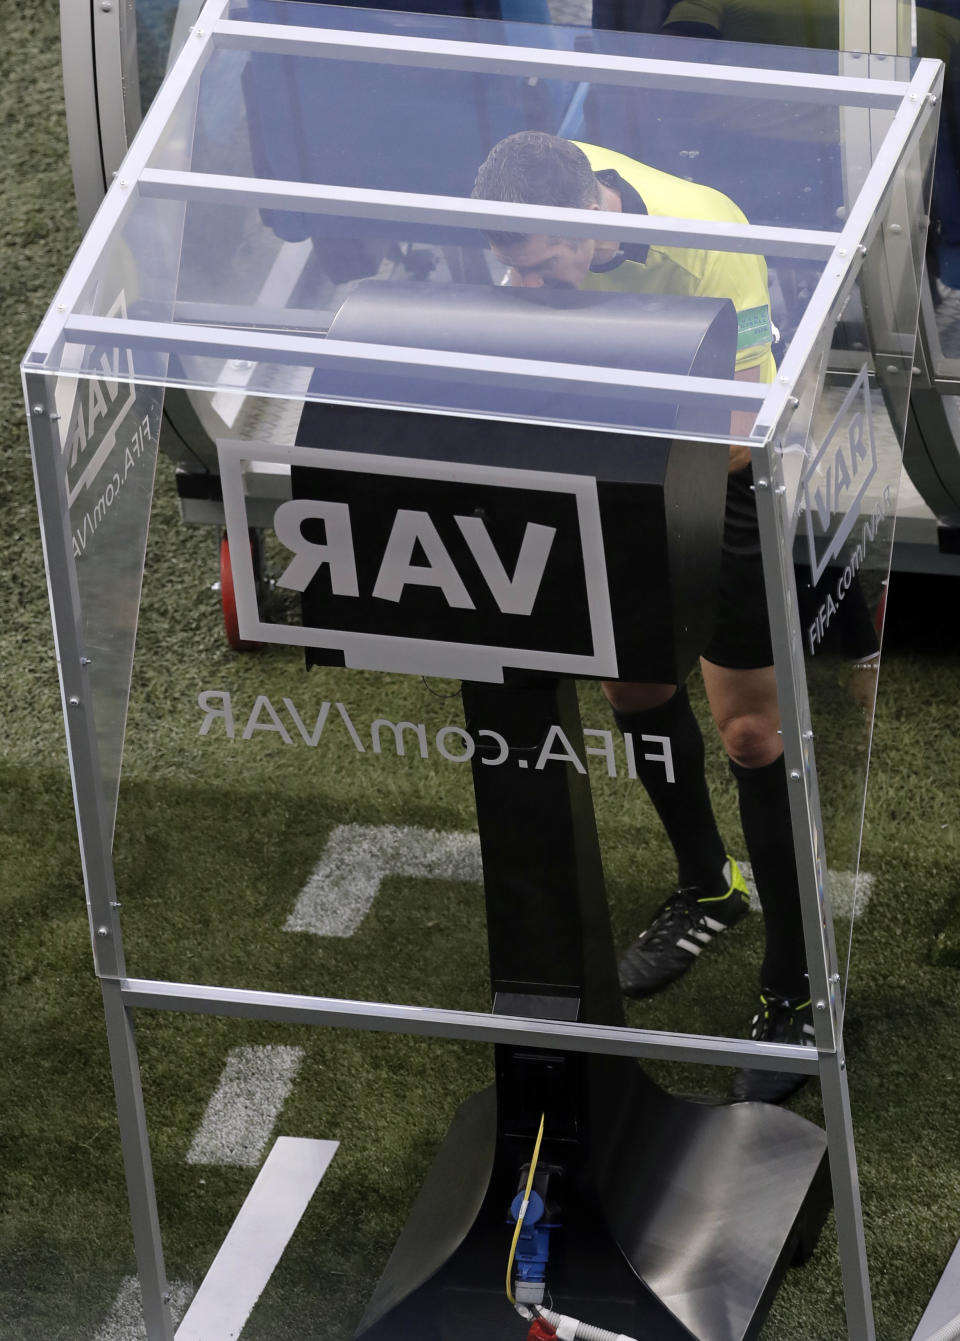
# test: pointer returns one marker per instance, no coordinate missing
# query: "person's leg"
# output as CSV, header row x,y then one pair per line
x,y
711,894
679,792
745,709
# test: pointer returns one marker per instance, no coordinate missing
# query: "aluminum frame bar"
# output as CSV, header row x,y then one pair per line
x,y
95,855
800,763
797,735
847,1208
475,1026
228,343
461,212
550,63
75,693
137,1163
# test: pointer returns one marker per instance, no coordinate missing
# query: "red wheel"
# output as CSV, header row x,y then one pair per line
x,y
228,598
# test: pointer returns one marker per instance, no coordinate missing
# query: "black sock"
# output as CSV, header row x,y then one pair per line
x,y
765,817
684,804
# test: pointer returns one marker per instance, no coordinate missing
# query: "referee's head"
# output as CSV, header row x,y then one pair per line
x,y
533,168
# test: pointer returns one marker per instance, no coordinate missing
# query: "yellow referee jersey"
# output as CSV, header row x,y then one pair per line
x,y
691,271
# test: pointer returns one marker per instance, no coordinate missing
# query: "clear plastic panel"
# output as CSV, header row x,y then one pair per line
x,y
334,811
388,136
392,1168
109,429
356,283
342,1129
842,453
842,555
141,261
391,138
329,815
278,263
814,24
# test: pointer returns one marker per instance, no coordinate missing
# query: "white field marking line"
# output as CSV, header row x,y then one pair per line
x,y
843,887
125,1322
342,886
245,1105
257,1238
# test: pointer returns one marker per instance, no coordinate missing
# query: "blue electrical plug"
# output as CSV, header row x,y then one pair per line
x,y
533,1249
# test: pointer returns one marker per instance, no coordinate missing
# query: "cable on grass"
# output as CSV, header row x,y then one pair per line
x,y
454,693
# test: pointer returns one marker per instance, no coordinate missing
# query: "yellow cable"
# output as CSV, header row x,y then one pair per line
x,y
523,1207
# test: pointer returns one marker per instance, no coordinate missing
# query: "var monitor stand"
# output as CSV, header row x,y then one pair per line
x,y
671,1218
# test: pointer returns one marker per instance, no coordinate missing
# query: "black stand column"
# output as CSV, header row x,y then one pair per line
x,y
547,922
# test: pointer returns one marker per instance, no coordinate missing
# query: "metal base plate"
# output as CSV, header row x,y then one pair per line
x,y
681,1226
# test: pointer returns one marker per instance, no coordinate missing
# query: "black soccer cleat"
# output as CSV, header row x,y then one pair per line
x,y
683,926
779,1020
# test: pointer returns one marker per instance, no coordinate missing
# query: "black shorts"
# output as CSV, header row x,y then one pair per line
x,y
741,635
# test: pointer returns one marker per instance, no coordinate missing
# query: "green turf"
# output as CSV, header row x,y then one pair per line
x,y
946,950
215,836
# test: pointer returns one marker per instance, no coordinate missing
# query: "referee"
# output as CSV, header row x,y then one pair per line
x,y
737,663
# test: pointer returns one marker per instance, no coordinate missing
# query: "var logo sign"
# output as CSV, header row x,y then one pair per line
x,y
836,481
427,567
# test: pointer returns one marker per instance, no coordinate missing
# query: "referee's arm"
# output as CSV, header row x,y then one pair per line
x,y
741,421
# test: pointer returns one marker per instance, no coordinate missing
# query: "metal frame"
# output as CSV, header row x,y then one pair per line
x,y
63,326
822,968
489,369
103,112
474,1026
459,212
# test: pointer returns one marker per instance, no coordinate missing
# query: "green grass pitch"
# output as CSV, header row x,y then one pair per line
x,y
217,834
